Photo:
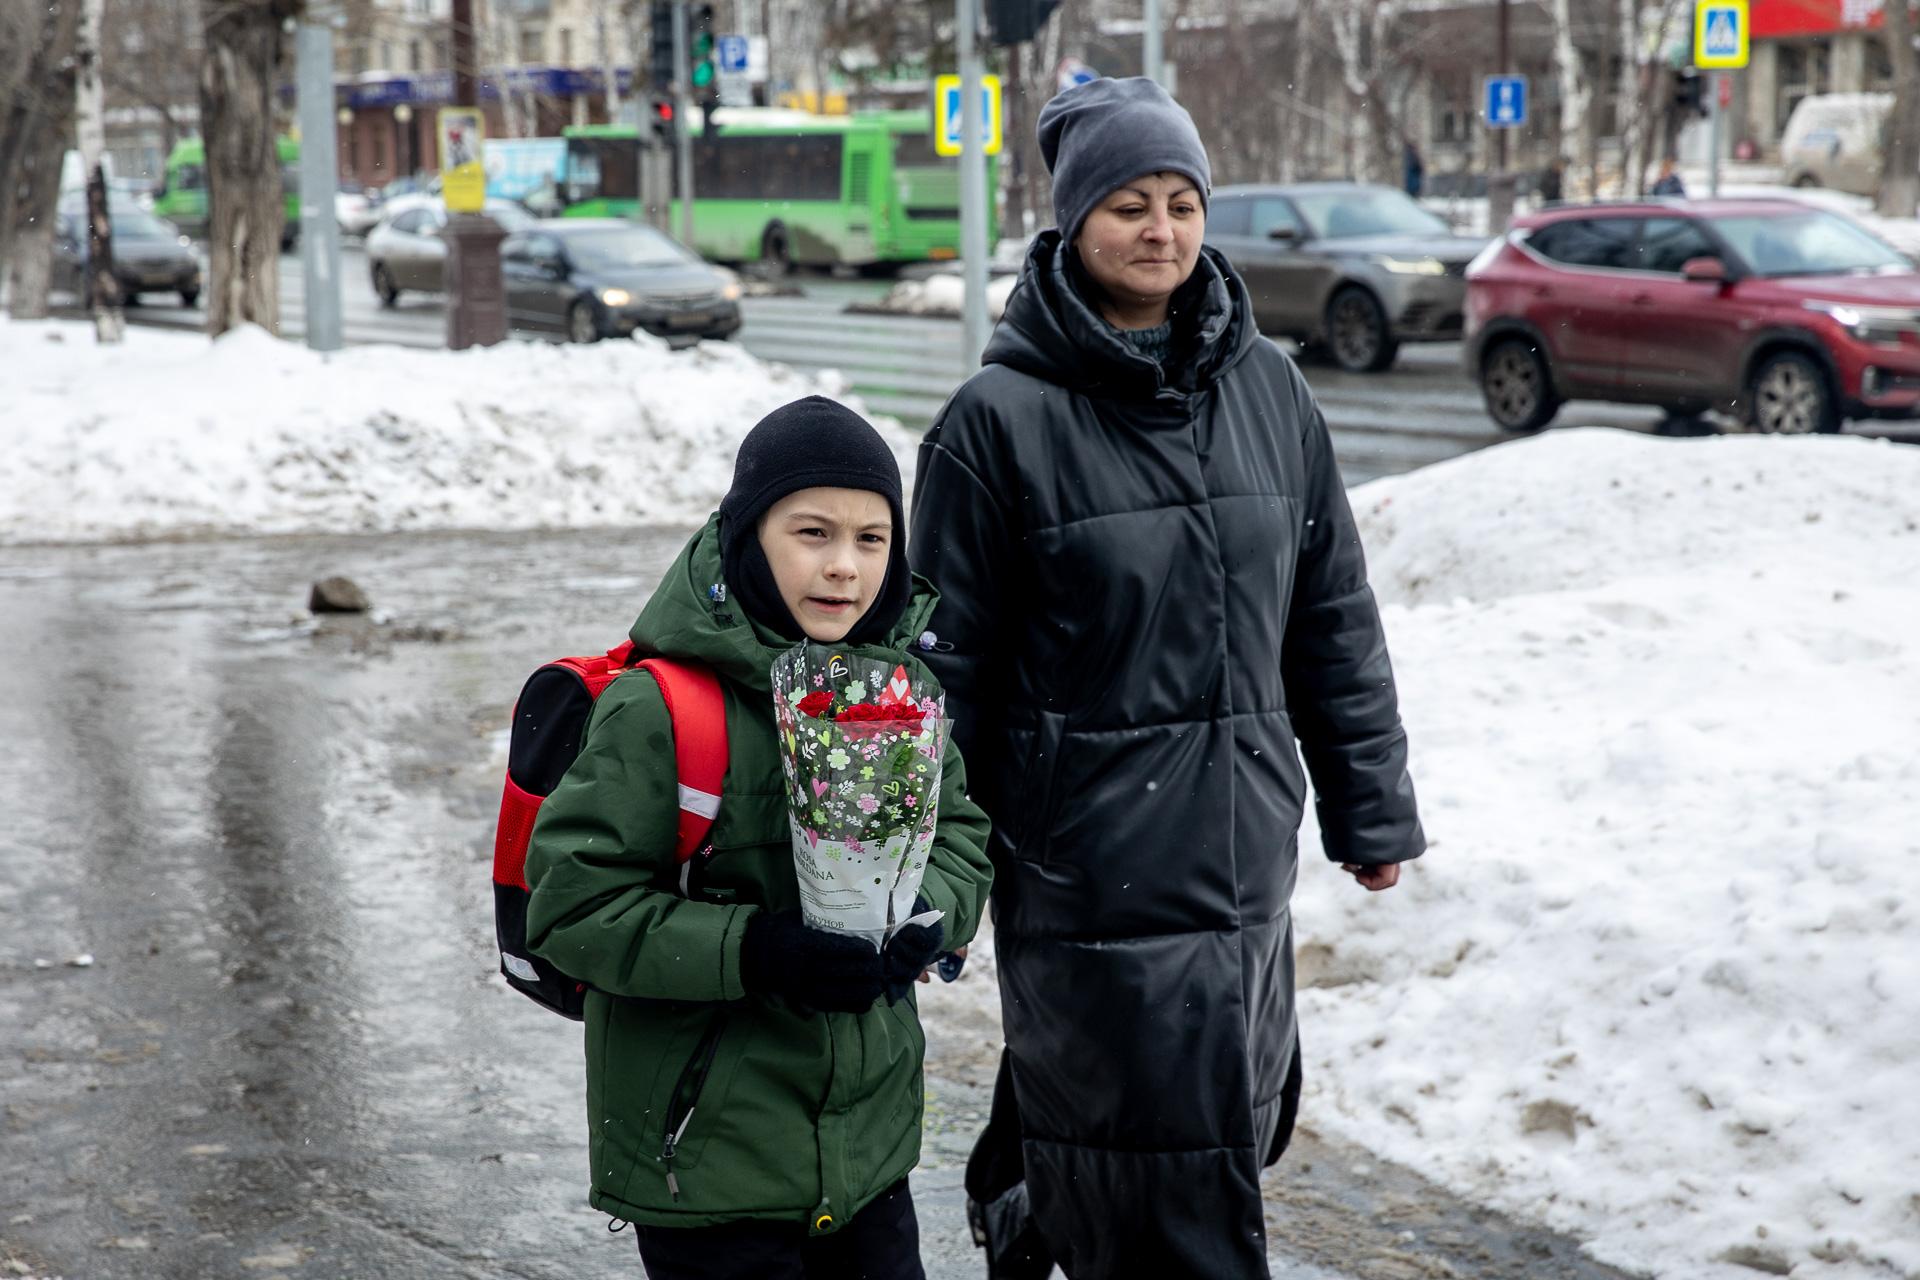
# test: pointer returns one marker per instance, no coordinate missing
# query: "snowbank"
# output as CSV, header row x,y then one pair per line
x,y
941,295
174,435
1658,981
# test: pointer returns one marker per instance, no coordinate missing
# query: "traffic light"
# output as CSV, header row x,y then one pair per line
x,y
660,50
1018,21
703,76
1690,93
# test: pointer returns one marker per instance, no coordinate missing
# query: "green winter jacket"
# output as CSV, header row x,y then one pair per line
x,y
787,1115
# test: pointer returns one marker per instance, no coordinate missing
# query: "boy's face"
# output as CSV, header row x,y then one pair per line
x,y
828,549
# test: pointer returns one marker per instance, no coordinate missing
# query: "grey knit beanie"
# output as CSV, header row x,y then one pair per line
x,y
1097,136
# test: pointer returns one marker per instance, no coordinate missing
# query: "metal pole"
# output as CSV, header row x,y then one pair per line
x,y
1500,138
1150,61
319,174
1713,135
683,116
973,187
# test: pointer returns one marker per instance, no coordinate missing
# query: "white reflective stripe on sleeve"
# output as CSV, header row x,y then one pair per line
x,y
686,878
704,803
519,968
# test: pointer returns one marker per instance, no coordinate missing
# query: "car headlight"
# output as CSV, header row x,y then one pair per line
x,y
731,291
1413,266
1870,324
615,297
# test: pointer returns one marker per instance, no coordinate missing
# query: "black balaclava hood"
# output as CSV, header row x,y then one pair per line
x,y
813,443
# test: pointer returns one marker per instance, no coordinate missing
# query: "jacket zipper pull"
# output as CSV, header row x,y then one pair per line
x,y
667,1153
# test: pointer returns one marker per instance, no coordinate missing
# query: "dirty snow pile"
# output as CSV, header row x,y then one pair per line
x,y
943,295
1657,983
171,434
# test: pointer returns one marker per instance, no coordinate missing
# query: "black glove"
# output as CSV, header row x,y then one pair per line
x,y
909,951
781,956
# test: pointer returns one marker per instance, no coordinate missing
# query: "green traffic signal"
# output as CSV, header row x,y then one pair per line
x,y
702,74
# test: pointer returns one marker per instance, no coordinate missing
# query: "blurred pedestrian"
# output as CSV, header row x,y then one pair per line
x,y
1669,183
1551,181
1151,585
1413,167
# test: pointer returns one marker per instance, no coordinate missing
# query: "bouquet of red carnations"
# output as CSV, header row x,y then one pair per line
x,y
861,749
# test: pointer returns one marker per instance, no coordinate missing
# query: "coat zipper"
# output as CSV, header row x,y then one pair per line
x,y
693,1077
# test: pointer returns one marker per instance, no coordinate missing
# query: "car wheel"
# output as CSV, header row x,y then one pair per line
x,y
128,298
776,250
1806,180
189,297
1789,395
582,324
384,286
1357,333
1518,389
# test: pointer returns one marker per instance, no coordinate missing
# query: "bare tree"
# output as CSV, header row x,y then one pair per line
x,y
90,124
36,127
1900,170
150,58
1362,32
1576,121
1640,85
245,49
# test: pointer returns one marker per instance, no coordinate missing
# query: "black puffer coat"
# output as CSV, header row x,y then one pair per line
x,y
1152,585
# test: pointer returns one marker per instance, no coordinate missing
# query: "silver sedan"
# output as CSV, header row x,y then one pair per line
x,y
406,250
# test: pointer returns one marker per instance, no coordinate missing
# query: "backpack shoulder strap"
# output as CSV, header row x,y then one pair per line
x,y
698,711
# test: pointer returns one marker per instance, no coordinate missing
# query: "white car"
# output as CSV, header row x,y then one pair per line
x,y
355,213
405,249
1836,140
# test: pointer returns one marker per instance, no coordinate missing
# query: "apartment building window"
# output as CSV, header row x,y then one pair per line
x,y
530,46
413,55
566,47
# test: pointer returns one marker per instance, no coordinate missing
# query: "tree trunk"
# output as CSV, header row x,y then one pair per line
x,y
90,125
1576,124
245,205
1900,168
38,196
36,120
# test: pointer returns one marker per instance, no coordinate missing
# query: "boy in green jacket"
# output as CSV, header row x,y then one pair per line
x,y
753,1084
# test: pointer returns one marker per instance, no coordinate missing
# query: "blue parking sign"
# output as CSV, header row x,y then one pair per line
x,y
733,52
1506,101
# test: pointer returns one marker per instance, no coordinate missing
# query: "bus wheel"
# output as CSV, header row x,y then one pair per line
x,y
776,251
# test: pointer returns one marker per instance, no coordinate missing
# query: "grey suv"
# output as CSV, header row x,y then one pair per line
x,y
1345,269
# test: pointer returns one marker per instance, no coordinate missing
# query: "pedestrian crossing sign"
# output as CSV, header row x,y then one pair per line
x,y
1720,34
946,115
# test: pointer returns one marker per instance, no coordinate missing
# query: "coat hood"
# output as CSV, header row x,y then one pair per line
x,y
684,619
1051,332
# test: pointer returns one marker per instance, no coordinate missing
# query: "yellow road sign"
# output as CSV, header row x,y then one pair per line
x,y
946,115
1720,34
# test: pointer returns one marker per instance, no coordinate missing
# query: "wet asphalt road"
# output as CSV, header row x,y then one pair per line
x,y
250,1024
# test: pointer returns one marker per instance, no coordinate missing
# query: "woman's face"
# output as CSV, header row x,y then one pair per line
x,y
1143,241
828,549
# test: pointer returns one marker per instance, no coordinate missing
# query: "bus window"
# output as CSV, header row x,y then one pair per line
x,y
602,168
768,167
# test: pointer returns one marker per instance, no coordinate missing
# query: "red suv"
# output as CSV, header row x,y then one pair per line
x,y
1793,316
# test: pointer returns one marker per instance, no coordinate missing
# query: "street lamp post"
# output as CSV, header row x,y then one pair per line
x,y
476,294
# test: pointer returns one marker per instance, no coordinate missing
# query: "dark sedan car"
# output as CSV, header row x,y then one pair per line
x,y
591,278
149,253
1344,268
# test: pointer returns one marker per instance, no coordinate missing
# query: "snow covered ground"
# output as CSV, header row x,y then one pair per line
x,y
174,435
1658,982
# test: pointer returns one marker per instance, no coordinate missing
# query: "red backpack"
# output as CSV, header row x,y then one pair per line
x,y
549,724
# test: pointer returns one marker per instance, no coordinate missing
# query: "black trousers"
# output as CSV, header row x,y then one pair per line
x,y
881,1243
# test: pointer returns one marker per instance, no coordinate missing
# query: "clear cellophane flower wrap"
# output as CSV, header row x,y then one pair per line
x,y
861,751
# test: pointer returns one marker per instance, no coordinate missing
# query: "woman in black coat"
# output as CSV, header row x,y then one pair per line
x,y
1151,587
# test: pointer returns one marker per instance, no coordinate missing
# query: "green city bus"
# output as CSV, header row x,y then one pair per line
x,y
856,190
182,199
